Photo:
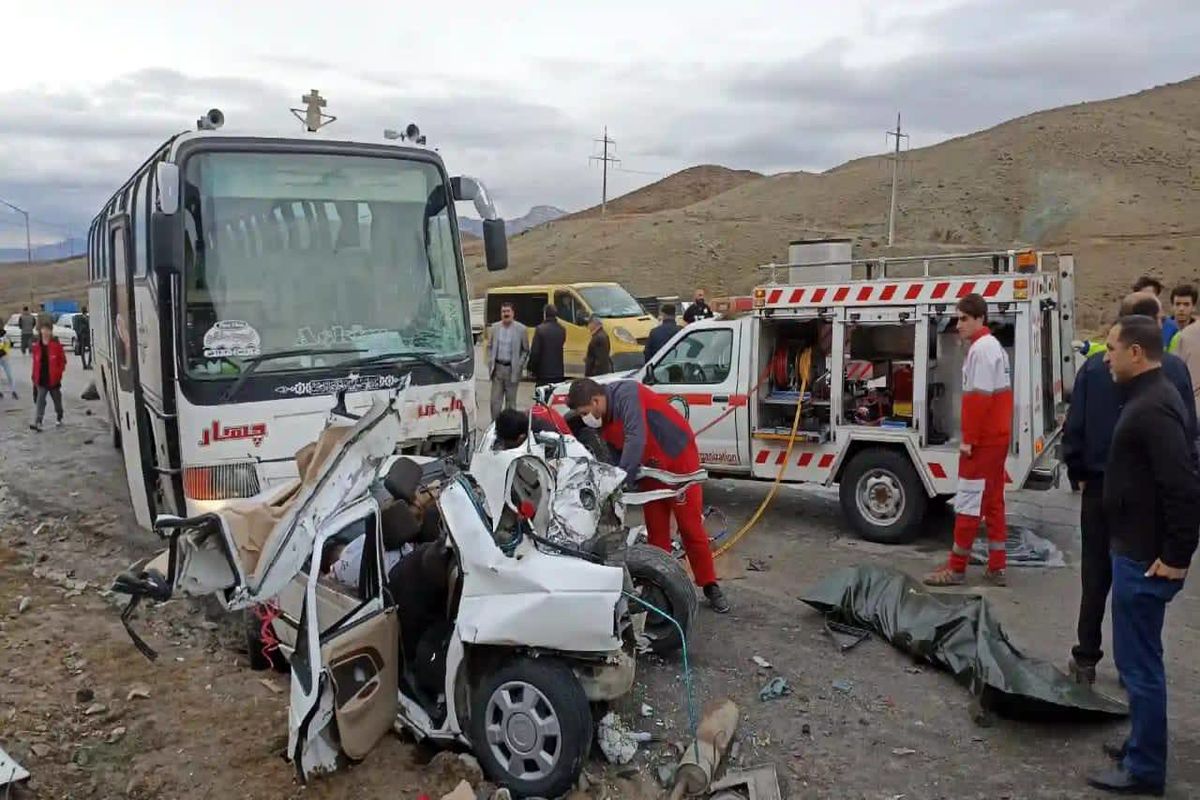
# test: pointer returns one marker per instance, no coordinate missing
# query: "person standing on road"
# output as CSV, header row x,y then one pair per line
x,y
546,352
1189,352
1183,303
1150,490
49,364
987,405
1148,284
27,323
44,317
698,309
1087,436
643,429
6,366
598,360
508,348
83,338
663,332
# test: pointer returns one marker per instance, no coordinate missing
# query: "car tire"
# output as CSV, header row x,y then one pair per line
x,y
519,703
260,660
882,496
661,580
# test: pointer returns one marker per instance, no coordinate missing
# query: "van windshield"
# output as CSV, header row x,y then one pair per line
x,y
303,251
611,301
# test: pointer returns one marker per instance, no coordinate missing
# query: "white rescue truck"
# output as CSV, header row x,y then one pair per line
x,y
879,405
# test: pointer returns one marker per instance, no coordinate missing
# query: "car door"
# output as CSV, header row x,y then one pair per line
x,y
698,371
344,700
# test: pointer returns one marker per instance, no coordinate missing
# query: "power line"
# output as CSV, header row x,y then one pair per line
x,y
605,159
895,177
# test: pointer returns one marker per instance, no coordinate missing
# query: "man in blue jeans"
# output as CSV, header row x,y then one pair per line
x,y
1150,487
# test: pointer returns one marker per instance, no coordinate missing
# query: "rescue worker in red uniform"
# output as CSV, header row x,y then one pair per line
x,y
642,429
987,407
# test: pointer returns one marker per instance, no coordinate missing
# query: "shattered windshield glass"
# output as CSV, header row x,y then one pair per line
x,y
302,251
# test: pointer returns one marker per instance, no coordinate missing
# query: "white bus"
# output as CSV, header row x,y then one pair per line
x,y
237,283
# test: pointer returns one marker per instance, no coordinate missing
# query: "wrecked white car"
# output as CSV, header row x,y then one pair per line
x,y
495,628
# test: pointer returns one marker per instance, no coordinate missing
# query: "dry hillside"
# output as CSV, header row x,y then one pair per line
x,y
1113,181
683,188
53,280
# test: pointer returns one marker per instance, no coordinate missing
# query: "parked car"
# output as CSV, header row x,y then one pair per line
x,y
12,330
64,330
530,627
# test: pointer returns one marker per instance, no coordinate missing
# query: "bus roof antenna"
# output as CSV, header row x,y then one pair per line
x,y
311,115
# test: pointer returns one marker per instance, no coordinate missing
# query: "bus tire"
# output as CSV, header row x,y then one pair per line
x,y
882,496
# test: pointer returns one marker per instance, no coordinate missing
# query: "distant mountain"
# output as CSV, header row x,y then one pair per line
x,y
45,252
537,215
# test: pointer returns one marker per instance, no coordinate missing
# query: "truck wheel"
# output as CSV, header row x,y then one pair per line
x,y
659,579
531,727
882,496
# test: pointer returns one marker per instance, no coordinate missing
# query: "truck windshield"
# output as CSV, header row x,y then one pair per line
x,y
303,252
611,301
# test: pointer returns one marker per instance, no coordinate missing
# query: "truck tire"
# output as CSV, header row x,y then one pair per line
x,y
531,726
882,495
659,579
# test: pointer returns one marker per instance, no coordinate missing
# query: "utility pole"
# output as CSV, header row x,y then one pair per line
x,y
605,159
28,248
895,178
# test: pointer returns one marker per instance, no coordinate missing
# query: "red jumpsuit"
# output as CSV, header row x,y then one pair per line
x,y
987,407
646,430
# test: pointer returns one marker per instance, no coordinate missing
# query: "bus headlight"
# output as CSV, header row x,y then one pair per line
x,y
624,335
220,481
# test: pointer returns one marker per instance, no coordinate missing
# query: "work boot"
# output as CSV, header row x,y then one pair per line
x,y
945,577
996,577
1084,674
1117,780
716,598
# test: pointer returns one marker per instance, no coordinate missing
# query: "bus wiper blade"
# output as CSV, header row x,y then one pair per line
x,y
416,355
254,361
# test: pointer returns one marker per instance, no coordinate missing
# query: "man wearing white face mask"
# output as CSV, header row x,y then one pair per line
x,y
642,429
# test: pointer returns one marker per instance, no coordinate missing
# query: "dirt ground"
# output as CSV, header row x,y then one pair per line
x,y
91,718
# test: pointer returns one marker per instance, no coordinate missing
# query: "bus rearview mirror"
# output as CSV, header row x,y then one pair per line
x,y
164,235
167,181
495,245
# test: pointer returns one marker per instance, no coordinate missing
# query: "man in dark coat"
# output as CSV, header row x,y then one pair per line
x,y
598,360
546,352
663,333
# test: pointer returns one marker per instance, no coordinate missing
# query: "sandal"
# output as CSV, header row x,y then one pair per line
x,y
945,577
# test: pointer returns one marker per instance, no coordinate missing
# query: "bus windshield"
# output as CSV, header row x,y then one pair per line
x,y
302,252
611,301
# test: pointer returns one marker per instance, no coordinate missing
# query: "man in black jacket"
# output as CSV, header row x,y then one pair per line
x,y
546,352
1150,488
698,310
1095,406
598,360
663,332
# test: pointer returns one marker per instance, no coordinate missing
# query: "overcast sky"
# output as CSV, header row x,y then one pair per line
x,y
516,92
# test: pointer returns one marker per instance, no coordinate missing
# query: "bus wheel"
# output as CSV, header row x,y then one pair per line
x,y
882,496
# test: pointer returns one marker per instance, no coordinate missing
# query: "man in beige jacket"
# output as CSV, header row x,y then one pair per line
x,y
1189,351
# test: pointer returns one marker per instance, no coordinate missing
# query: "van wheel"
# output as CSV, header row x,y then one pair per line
x,y
882,496
661,581
531,727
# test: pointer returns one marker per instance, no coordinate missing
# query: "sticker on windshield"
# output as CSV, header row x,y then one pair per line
x,y
231,337
354,382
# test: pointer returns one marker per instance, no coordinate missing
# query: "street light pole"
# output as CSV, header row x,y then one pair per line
x,y
28,247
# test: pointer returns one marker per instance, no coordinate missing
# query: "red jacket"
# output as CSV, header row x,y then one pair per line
x,y
987,398
58,363
646,430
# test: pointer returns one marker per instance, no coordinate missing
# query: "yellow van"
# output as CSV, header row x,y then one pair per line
x,y
626,322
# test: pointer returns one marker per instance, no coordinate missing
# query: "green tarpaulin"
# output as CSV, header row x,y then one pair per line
x,y
959,633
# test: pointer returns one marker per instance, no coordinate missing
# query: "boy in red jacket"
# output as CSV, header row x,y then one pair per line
x,y
987,408
49,363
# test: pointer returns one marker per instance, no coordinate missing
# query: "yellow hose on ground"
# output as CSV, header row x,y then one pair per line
x,y
803,365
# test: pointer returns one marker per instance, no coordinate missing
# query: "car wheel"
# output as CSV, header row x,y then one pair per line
x,y
882,496
661,581
260,660
531,727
